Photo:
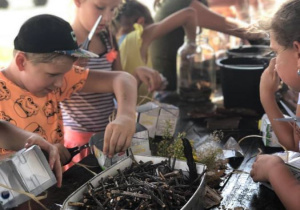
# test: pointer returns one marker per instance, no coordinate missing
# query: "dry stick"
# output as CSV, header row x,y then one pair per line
x,y
260,151
294,126
85,167
144,98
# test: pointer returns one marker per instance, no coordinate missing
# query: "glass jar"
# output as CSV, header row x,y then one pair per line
x,y
195,70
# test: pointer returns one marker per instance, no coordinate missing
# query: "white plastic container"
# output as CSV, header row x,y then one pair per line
x,y
27,170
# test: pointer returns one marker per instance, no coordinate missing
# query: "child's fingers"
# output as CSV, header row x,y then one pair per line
x,y
58,171
158,80
55,164
115,144
127,143
147,81
107,137
155,81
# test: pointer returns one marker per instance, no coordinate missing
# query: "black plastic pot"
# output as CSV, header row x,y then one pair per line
x,y
254,51
240,78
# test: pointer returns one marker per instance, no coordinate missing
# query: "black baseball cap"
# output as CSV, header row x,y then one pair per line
x,y
47,34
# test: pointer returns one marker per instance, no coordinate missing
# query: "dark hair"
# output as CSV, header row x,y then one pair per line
x,y
285,24
133,10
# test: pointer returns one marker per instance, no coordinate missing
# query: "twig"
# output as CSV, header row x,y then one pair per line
x,y
144,98
85,167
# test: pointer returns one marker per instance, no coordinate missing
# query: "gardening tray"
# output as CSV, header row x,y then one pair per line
x,y
195,202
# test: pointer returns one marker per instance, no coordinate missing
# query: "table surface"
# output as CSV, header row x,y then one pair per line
x,y
237,188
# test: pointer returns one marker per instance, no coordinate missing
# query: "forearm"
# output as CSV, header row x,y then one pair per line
x,y
283,130
183,18
286,186
125,89
190,24
211,20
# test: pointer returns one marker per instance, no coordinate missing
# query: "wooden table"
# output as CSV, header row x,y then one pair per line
x,y
237,189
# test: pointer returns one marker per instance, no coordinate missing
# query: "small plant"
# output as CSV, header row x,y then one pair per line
x,y
216,136
167,131
208,153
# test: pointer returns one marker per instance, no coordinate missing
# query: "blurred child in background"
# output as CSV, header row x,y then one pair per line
x,y
87,113
136,31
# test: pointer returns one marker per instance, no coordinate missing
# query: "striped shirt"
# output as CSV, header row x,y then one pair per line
x,y
89,112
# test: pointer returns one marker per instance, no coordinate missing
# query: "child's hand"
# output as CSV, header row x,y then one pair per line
x,y
150,77
264,165
54,158
269,81
118,135
64,154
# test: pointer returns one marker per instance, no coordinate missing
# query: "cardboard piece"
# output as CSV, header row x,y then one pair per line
x,y
269,137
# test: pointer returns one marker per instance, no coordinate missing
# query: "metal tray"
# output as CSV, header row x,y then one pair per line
x,y
195,202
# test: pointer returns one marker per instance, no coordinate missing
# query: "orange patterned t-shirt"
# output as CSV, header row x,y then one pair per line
x,y
41,115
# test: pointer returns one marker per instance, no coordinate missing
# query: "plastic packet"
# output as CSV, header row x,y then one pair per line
x,y
209,152
232,149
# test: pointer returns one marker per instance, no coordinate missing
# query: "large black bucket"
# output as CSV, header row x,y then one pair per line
x,y
254,51
240,78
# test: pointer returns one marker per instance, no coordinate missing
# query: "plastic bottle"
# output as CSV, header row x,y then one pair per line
x,y
195,71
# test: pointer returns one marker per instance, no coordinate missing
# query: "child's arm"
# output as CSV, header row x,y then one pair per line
x,y
272,169
185,17
211,20
268,86
14,138
118,133
150,77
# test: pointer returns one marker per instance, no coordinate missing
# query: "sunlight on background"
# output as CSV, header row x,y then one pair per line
x,y
19,11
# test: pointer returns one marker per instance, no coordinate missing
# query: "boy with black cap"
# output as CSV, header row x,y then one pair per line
x,y
42,74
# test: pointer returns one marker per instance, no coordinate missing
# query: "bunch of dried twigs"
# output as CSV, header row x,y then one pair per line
x,y
143,185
